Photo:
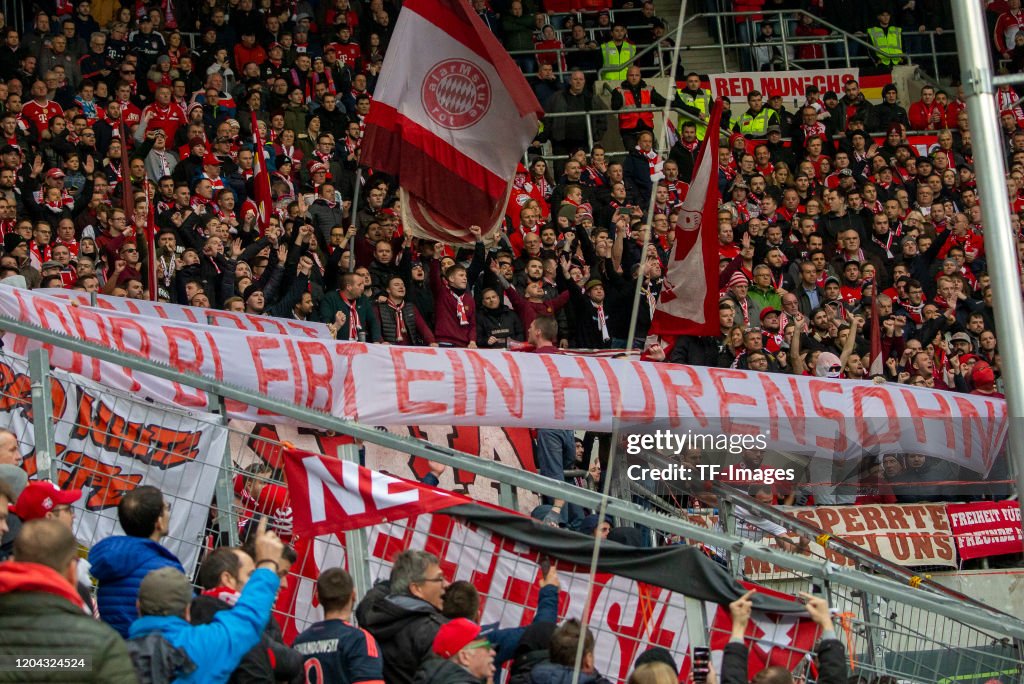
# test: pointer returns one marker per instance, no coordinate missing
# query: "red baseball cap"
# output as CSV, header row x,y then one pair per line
x,y
54,173
40,497
210,159
454,636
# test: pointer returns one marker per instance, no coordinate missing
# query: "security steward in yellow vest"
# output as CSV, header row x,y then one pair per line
x,y
888,40
755,123
696,101
616,53
634,92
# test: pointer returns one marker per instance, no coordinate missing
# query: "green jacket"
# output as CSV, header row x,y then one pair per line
x,y
767,298
368,321
518,32
37,618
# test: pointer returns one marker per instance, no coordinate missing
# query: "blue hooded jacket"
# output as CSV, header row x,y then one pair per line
x,y
119,565
218,647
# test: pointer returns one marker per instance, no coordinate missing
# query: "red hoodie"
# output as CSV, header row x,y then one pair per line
x,y
25,577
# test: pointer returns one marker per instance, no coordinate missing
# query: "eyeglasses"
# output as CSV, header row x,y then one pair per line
x,y
131,250
442,578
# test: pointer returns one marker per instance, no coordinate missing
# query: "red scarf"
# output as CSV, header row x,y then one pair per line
x,y
353,319
401,333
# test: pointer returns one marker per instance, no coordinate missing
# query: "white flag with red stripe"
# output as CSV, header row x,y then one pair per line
x,y
689,301
330,496
452,116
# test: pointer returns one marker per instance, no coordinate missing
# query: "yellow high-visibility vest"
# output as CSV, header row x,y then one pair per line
x,y
614,58
701,102
755,124
889,44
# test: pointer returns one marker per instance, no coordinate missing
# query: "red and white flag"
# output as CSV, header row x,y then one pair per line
x,y
261,180
330,496
452,116
689,301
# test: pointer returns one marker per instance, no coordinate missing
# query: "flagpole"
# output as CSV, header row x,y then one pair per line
x,y
150,242
351,246
609,470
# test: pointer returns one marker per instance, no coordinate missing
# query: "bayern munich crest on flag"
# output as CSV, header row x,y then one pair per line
x,y
456,93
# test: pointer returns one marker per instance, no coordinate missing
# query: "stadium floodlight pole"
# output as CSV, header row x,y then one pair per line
x,y
610,471
1000,246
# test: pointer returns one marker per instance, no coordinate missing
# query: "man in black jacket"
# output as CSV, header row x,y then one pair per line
x,y
692,350
405,621
831,653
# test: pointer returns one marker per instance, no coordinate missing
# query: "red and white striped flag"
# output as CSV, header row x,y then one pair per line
x,y
689,302
452,116
260,180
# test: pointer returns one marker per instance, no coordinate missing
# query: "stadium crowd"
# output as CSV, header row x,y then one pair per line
x,y
146,623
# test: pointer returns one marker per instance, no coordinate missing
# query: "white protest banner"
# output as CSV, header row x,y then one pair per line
x,y
790,84
393,385
107,445
904,534
195,314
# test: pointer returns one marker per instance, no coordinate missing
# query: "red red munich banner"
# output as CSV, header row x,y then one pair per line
x,y
986,529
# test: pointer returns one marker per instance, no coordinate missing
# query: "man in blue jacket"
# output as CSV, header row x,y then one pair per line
x,y
214,649
119,563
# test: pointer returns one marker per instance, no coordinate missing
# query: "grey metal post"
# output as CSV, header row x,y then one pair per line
x,y
728,518
42,412
721,42
355,540
508,496
224,492
92,299
590,133
350,245
979,89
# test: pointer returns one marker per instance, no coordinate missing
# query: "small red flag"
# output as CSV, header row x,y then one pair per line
x,y
261,180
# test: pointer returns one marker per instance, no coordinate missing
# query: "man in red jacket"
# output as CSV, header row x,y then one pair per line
x,y
164,114
926,114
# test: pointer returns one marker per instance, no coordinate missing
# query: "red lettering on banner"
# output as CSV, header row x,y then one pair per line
x,y
873,518
727,399
970,421
795,414
16,393
349,350
315,380
218,365
185,396
829,518
121,342
920,414
899,544
819,388
922,545
79,317
293,360
510,389
276,326
721,86
459,372
615,392
943,547
852,520
895,517
917,512
265,375
108,484
675,391
404,377
560,384
868,433
213,316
